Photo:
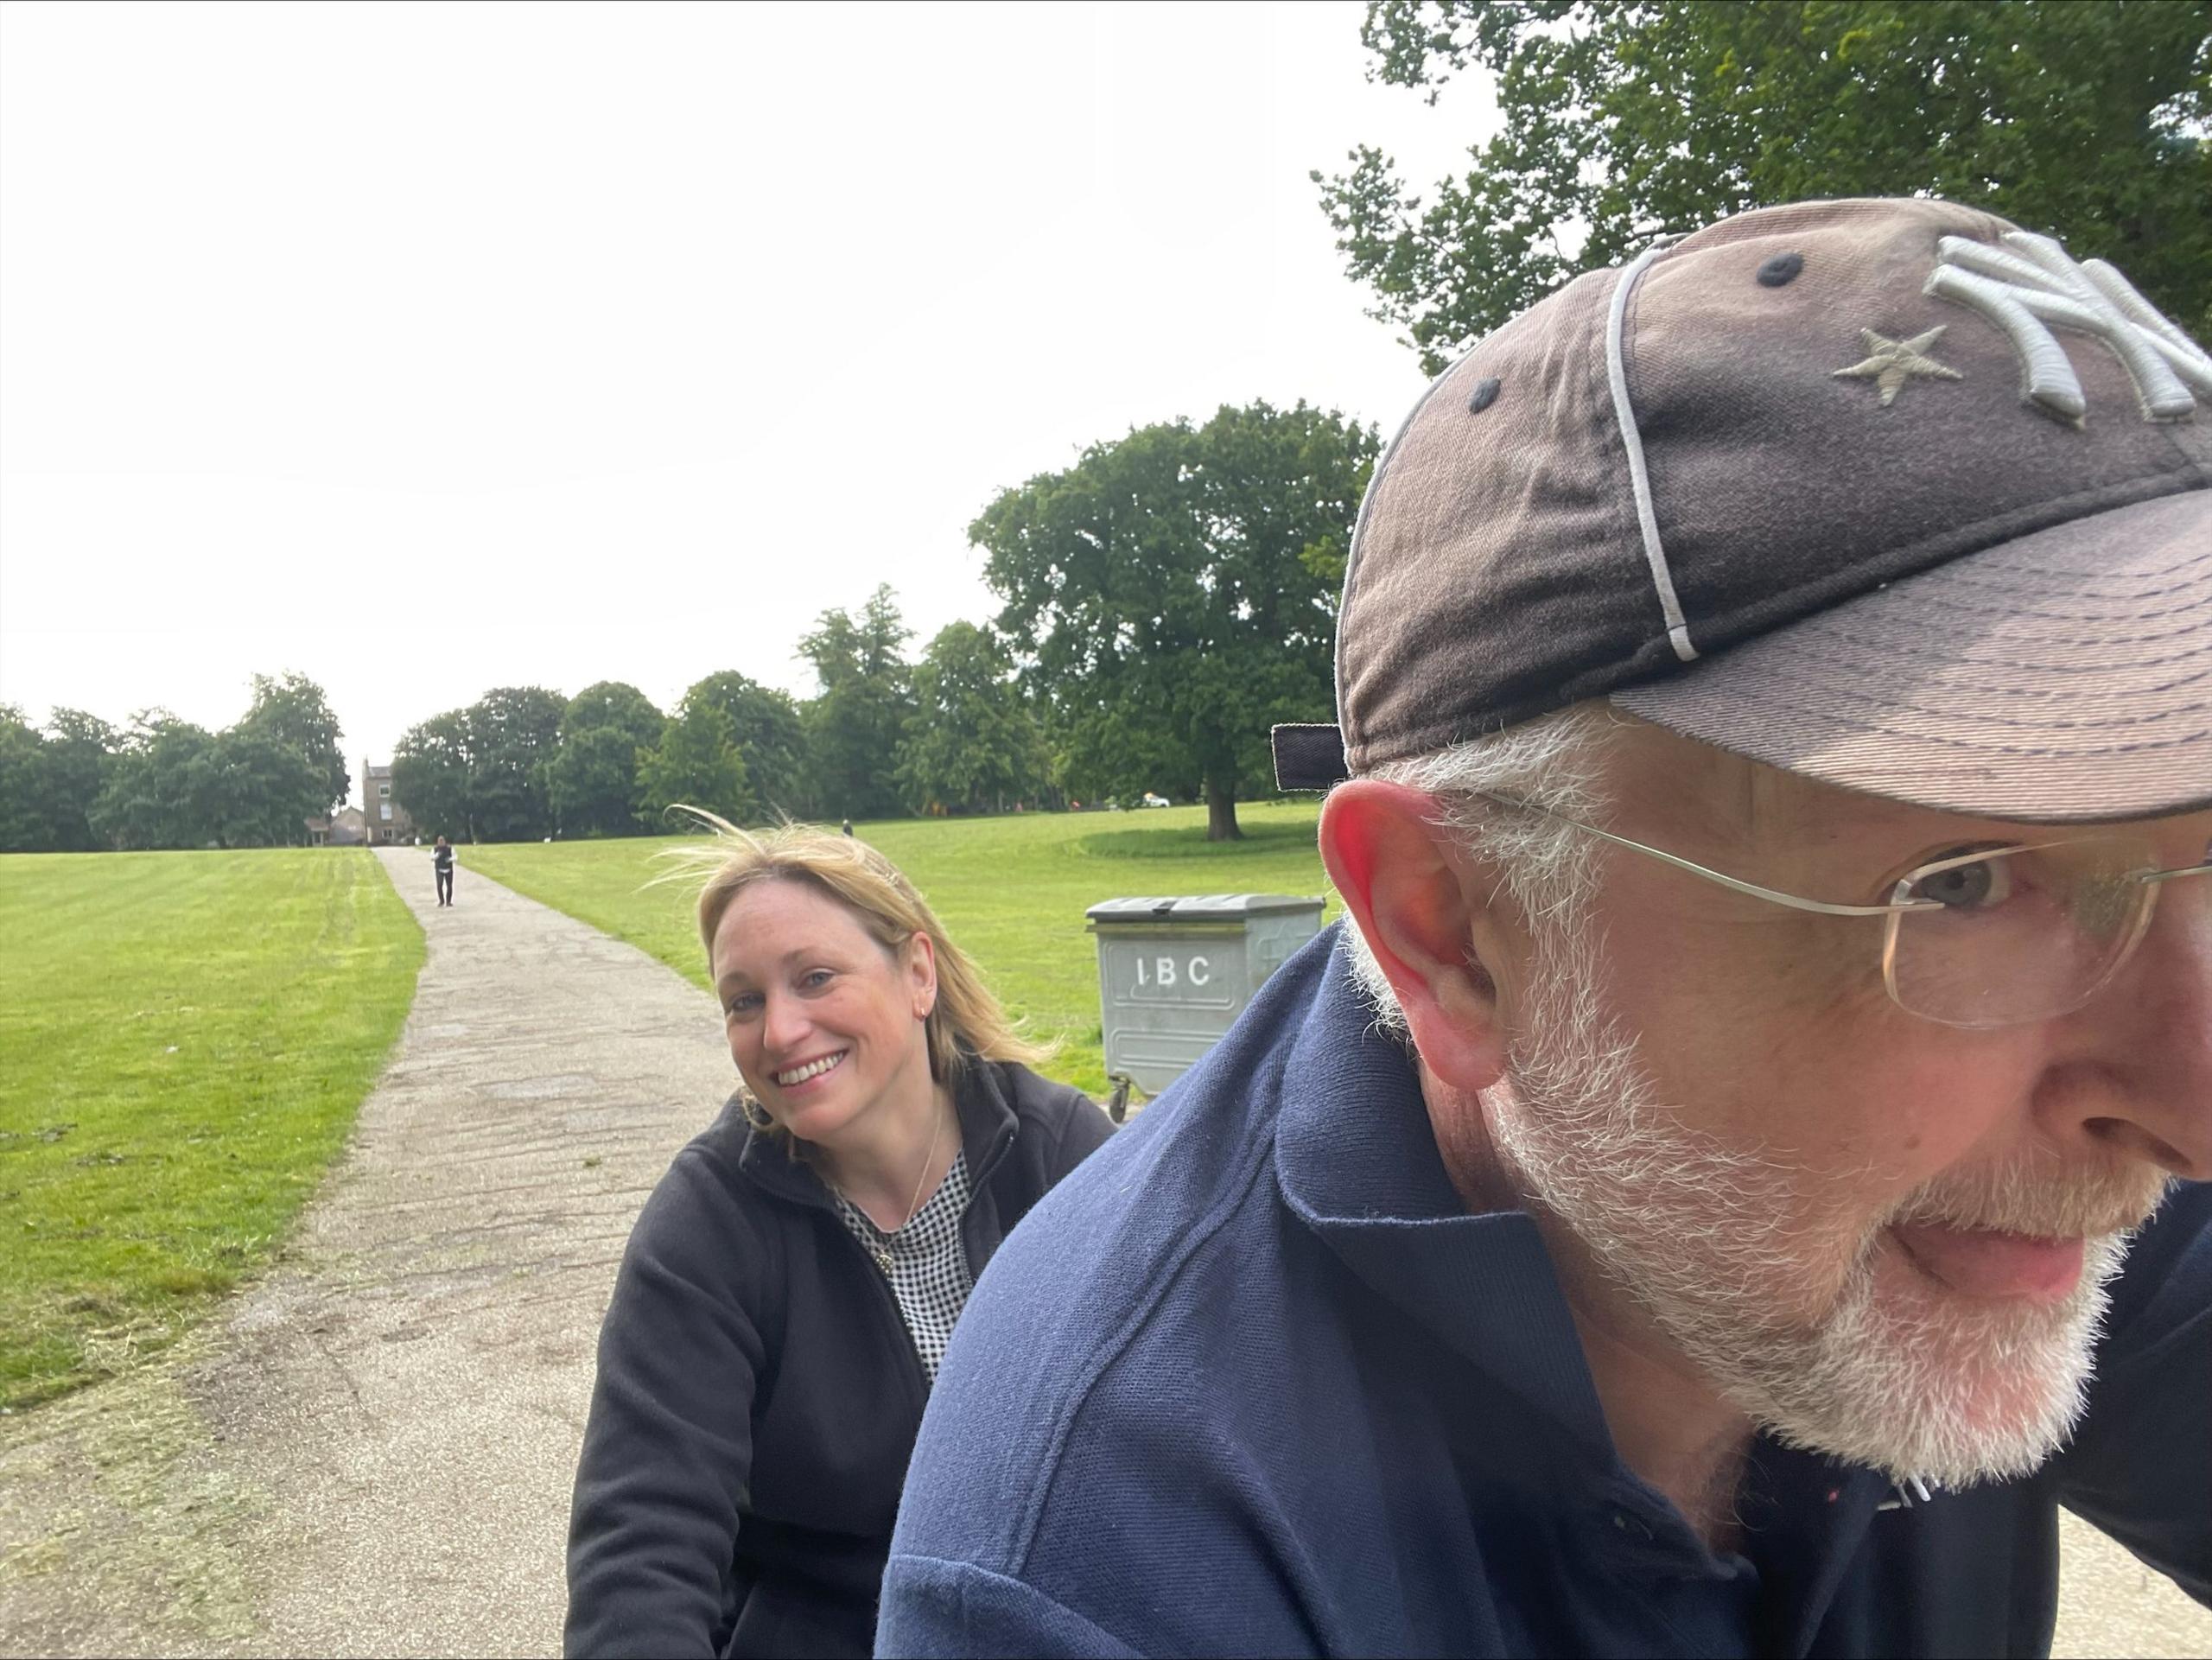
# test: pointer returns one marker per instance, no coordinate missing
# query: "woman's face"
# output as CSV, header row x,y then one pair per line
x,y
825,1023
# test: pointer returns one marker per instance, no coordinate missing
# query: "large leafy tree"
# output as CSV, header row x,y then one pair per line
x,y
852,729
2089,121
27,817
514,732
431,767
594,777
1175,594
164,783
252,788
292,711
973,742
78,750
694,764
157,790
770,735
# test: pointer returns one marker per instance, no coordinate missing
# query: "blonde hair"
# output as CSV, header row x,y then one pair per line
x,y
967,1020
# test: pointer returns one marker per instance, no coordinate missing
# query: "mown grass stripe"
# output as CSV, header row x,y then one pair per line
x,y
185,1038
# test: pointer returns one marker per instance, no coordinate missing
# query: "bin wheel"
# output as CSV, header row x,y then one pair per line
x,y
1117,1105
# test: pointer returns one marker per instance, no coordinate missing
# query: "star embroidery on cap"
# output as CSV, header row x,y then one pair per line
x,y
1895,362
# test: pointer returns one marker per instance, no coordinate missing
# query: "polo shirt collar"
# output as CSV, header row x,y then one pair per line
x,y
1356,1161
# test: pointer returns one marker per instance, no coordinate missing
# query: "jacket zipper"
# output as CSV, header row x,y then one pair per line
x,y
890,1302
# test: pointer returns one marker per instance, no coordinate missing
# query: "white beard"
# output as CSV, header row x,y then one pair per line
x,y
1912,1380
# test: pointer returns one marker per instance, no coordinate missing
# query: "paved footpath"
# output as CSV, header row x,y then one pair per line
x,y
371,1453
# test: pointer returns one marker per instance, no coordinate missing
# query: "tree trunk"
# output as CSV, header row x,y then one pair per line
x,y
1221,812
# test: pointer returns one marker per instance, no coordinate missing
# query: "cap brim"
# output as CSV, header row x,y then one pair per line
x,y
2064,678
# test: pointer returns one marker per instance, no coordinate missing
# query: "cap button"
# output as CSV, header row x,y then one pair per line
x,y
1782,268
1484,394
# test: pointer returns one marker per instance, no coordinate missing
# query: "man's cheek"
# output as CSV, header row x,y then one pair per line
x,y
1948,1097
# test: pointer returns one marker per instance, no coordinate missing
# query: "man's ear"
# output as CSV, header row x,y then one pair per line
x,y
1402,882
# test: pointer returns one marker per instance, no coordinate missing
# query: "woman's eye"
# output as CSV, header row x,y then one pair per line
x,y
1981,886
741,1007
814,979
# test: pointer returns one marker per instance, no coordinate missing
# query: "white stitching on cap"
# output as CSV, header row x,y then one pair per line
x,y
1678,632
2024,292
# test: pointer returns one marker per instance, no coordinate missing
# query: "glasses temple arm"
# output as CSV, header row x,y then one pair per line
x,y
2154,877
1773,896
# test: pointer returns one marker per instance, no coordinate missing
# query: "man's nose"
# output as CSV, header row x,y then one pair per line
x,y
2159,1106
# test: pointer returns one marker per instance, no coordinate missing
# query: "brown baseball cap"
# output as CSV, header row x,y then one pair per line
x,y
1889,493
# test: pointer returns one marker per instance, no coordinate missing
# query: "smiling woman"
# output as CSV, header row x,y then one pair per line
x,y
793,1280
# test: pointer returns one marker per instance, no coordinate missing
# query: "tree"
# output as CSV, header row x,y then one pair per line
x,y
291,710
973,741
27,817
771,737
157,793
2087,121
77,753
592,781
694,764
1175,594
854,727
251,788
514,732
431,768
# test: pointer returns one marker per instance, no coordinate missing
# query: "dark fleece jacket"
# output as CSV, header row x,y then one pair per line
x,y
758,1392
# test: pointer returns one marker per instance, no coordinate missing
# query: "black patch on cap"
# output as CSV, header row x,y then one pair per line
x,y
1309,757
1782,268
1484,394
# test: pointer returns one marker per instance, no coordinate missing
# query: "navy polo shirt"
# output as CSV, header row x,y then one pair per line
x,y
1253,1381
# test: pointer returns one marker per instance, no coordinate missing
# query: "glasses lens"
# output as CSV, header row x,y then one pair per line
x,y
2018,934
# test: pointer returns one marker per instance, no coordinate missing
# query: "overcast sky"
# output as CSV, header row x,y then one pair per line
x,y
429,348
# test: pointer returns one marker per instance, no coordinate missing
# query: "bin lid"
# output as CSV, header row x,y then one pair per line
x,y
1200,907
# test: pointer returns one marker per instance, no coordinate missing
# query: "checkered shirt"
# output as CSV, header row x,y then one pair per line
x,y
924,1261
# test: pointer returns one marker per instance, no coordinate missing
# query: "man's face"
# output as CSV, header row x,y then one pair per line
x,y
1882,1238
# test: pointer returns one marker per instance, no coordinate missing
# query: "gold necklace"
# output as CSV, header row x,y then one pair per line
x,y
913,1203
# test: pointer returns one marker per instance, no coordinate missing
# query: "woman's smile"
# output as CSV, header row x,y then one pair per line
x,y
808,1071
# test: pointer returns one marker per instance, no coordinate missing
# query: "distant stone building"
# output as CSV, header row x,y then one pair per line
x,y
385,819
345,828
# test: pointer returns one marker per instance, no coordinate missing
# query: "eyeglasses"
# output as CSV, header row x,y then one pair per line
x,y
1989,936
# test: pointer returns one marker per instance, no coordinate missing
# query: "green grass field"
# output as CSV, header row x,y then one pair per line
x,y
1012,891
184,1039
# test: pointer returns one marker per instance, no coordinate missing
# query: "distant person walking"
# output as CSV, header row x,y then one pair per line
x,y
848,827
441,862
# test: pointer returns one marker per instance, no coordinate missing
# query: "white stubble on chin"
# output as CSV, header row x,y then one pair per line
x,y
1897,1374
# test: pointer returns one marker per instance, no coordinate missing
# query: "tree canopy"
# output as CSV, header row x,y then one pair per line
x,y
2088,122
694,764
1174,594
514,732
852,729
430,775
291,711
766,729
593,780
28,820
163,782
973,742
